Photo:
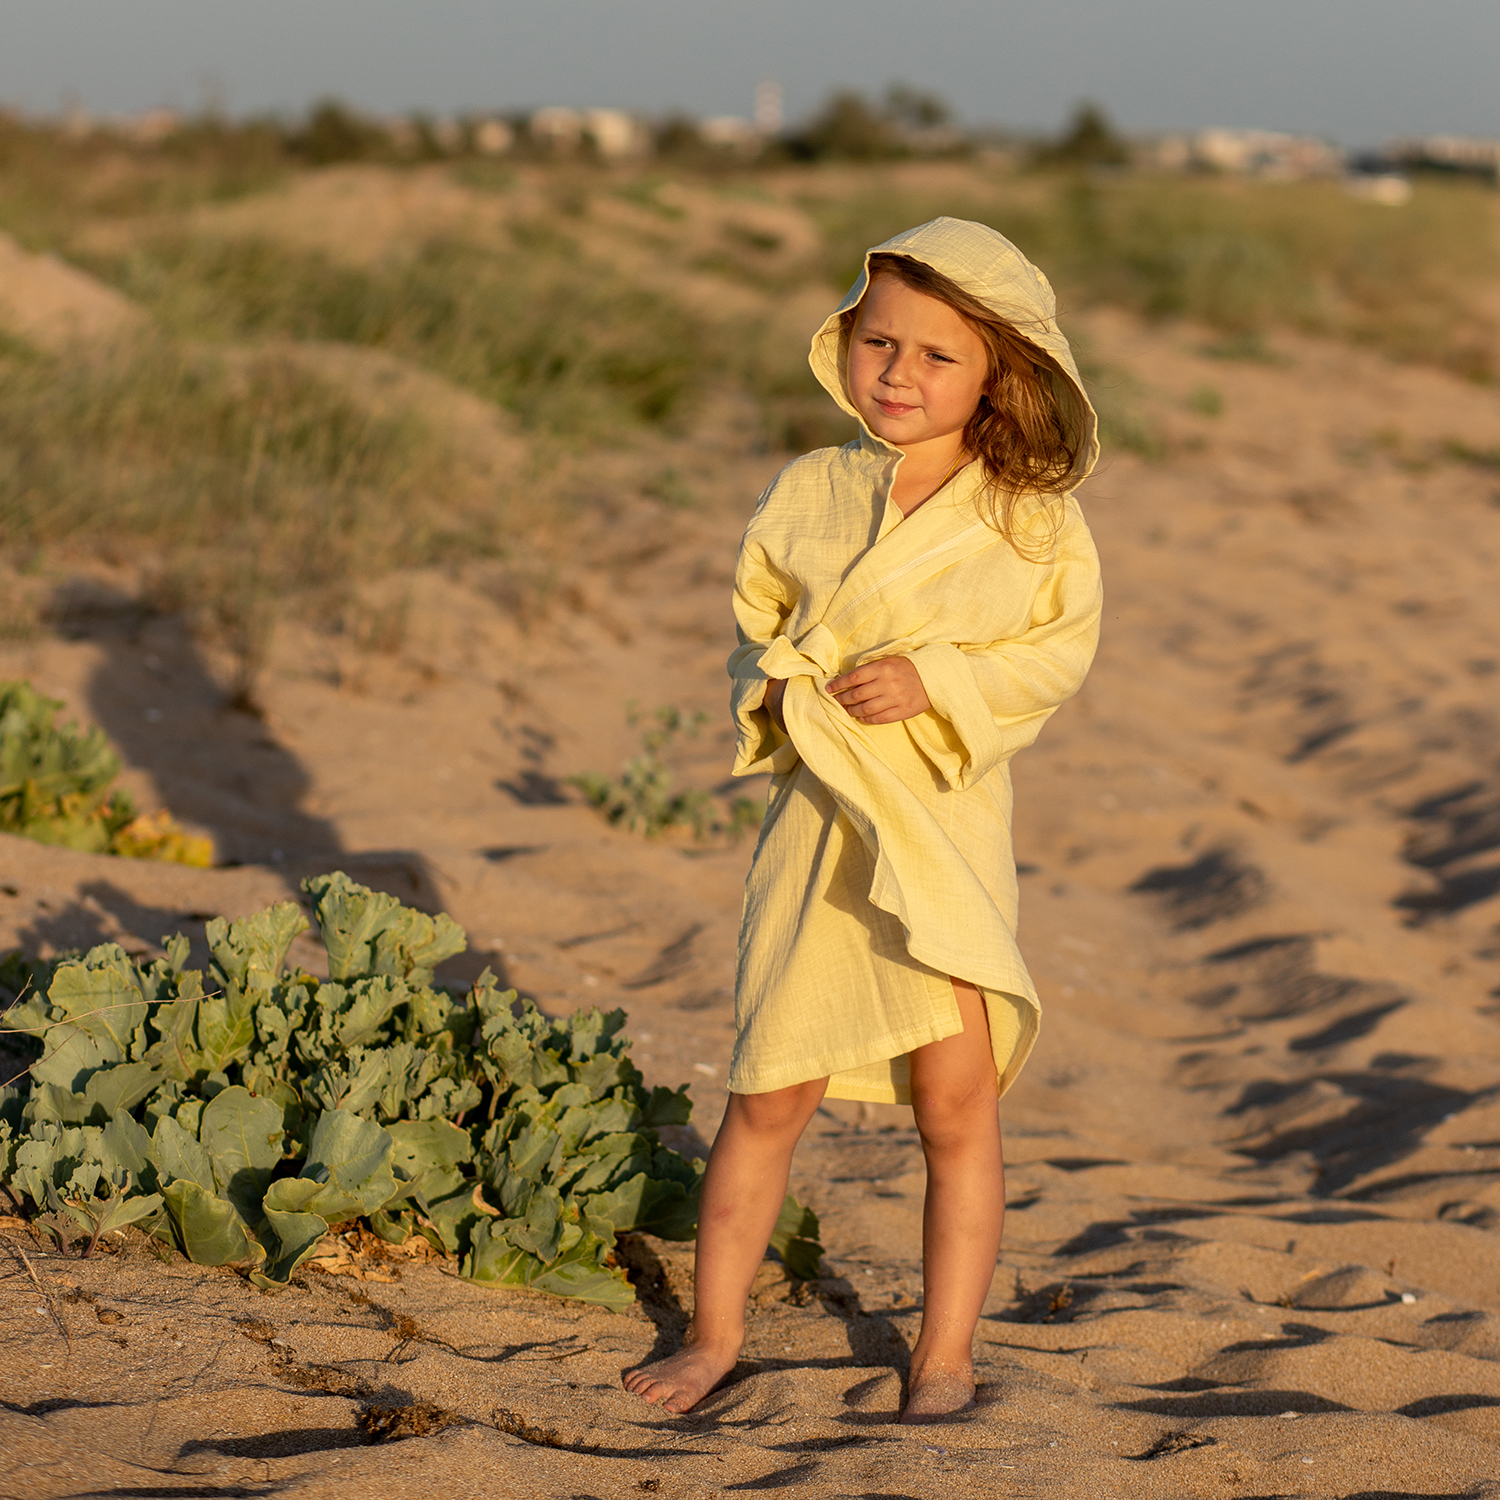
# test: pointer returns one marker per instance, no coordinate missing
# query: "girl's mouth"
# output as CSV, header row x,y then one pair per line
x,y
894,408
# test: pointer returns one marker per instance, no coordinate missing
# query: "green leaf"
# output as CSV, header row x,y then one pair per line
x,y
289,1238
101,995
667,1107
795,1239
225,1027
208,1229
71,1056
453,1217
123,1147
112,1091
608,1160
534,1150
120,1209
177,1053
355,1085
424,1150
95,1012
242,1135
370,1004
394,1229
578,1273
51,1101
36,1169
368,932
250,952
350,1160
541,1231
177,1154
666,1209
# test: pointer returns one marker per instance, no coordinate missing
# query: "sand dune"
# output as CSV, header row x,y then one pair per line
x,y
1254,1164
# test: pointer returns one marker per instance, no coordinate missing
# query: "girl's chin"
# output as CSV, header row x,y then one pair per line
x,y
906,427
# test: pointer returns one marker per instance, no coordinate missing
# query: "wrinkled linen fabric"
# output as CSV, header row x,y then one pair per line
x,y
884,864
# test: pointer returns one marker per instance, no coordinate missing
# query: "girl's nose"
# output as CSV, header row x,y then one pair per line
x,y
895,372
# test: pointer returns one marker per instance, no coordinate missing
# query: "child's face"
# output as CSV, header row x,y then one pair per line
x,y
916,368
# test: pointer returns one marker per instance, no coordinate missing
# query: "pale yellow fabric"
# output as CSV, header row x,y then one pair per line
x,y
884,864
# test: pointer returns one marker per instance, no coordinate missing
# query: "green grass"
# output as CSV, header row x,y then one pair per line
x,y
50,186
568,345
232,484
1242,257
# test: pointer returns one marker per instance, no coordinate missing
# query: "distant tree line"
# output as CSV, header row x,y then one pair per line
x,y
905,122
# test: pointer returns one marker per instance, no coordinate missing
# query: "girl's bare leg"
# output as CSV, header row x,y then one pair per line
x,y
743,1190
953,1097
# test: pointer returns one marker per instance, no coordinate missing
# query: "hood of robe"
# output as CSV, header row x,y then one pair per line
x,y
987,266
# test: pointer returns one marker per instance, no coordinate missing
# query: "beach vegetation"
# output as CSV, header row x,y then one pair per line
x,y
56,787
242,1112
645,799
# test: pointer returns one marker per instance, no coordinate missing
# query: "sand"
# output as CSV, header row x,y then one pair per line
x,y
1254,1164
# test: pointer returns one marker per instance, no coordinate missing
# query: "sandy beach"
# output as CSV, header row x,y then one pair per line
x,y
1253,1166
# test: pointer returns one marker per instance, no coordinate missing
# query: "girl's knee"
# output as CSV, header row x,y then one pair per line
x,y
956,1112
779,1109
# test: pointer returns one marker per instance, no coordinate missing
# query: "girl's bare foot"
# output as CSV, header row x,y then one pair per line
x,y
937,1393
679,1382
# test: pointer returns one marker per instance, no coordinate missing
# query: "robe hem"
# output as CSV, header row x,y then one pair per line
x,y
1013,983
896,1045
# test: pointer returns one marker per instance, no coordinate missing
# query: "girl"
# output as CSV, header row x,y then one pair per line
x,y
912,607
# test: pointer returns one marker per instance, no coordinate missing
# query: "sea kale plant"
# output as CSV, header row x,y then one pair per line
x,y
240,1113
54,788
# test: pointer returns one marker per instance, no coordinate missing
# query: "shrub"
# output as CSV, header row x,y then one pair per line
x,y
644,799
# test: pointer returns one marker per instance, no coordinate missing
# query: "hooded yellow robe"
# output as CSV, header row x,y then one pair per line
x,y
884,864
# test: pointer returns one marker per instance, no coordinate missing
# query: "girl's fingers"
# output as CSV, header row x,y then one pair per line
x,y
859,675
883,711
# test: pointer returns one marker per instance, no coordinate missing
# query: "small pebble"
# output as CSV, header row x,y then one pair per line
x,y
1408,1298
109,1315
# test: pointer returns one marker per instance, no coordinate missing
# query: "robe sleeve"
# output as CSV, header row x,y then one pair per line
x,y
762,604
993,699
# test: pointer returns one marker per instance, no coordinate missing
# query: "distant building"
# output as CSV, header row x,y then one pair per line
x,y
1247,153
493,137
615,134
769,110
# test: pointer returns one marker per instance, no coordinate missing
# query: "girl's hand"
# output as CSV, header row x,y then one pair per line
x,y
882,692
774,694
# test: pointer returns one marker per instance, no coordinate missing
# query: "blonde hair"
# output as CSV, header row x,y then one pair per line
x,y
1017,433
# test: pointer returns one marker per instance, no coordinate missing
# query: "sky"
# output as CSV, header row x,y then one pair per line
x,y
1355,71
